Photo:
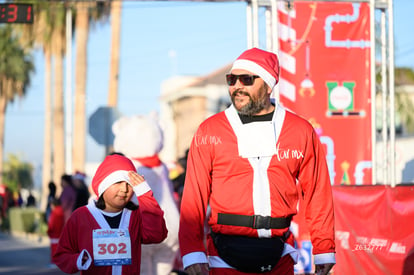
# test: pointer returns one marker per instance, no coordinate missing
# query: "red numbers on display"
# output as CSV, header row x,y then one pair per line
x,y
29,14
16,13
112,248
12,13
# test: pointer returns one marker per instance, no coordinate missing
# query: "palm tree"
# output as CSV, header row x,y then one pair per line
x,y
48,16
58,51
116,9
86,13
82,31
405,104
16,65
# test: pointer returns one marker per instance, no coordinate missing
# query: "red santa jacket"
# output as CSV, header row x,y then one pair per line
x,y
146,225
56,222
218,176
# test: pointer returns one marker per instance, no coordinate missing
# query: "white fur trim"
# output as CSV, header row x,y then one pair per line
x,y
87,264
141,188
256,69
217,262
325,258
194,258
114,177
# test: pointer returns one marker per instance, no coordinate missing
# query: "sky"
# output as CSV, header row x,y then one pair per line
x,y
158,40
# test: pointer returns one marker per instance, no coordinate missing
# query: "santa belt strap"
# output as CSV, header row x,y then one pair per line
x,y
254,221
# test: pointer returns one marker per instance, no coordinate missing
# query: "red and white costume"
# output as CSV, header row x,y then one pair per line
x,y
55,227
145,225
254,169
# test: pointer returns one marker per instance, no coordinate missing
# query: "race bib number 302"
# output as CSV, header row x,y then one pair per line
x,y
111,247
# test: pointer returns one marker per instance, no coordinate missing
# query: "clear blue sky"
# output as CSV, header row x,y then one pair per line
x,y
203,36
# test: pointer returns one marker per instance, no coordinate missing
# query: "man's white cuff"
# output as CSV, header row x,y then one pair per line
x,y
325,258
194,258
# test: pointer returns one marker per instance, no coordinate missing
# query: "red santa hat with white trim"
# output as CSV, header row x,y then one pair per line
x,y
113,169
262,63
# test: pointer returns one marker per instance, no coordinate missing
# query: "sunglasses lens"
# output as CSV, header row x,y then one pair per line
x,y
231,79
245,79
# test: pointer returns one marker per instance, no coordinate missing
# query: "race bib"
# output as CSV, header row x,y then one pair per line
x,y
111,247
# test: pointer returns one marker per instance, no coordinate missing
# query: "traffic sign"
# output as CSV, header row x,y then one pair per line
x,y
100,125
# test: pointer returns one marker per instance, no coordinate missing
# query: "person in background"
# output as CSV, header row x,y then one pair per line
x,y
18,199
11,198
3,204
82,191
31,200
55,225
246,164
50,198
105,236
179,179
68,195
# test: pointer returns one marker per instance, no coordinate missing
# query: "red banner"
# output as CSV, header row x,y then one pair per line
x,y
374,228
325,77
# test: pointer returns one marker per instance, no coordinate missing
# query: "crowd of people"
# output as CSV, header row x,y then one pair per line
x,y
74,194
9,199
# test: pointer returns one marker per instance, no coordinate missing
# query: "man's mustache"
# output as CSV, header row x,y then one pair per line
x,y
239,92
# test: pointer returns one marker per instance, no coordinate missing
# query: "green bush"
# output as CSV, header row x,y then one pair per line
x,y
27,220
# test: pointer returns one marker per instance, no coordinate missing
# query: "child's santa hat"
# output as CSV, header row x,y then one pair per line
x,y
113,169
262,63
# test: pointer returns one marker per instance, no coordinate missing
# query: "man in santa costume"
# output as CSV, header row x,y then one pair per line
x,y
245,164
105,236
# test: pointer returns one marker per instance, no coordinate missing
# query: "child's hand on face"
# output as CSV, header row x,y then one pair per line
x,y
135,178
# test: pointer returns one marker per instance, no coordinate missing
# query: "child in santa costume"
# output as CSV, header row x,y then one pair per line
x,y
140,138
55,225
105,236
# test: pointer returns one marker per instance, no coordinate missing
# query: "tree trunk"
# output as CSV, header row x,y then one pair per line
x,y
82,30
3,105
59,123
116,7
47,173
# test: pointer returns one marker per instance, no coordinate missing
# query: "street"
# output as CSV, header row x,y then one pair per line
x,y
22,255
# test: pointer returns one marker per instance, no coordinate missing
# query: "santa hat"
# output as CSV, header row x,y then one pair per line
x,y
262,63
113,169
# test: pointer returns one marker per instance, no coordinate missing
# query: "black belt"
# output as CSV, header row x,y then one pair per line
x,y
254,221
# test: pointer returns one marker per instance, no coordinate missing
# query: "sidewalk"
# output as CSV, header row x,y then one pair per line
x,y
25,254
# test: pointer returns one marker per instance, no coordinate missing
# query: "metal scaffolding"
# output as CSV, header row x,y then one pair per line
x,y
380,10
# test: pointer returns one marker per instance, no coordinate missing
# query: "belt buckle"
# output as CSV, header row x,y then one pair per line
x,y
260,222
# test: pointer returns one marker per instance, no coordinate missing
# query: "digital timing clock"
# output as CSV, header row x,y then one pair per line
x,y
16,13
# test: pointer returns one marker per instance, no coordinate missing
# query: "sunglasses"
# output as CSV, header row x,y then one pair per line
x,y
245,79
